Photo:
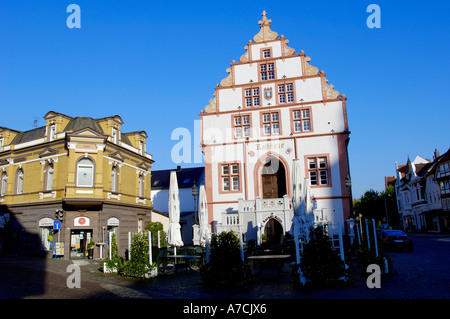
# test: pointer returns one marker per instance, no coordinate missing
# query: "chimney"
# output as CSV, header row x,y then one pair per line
x,y
436,154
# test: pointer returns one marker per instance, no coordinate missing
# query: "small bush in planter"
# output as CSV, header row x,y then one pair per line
x,y
115,263
226,266
139,264
90,249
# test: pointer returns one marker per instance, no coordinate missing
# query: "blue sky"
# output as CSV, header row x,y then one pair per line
x,y
156,63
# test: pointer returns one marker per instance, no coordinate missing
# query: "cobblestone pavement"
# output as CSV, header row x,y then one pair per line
x,y
423,274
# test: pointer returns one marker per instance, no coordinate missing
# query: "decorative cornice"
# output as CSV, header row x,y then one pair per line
x,y
328,89
286,51
211,107
306,68
228,81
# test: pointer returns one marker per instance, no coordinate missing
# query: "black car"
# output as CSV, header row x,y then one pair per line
x,y
395,240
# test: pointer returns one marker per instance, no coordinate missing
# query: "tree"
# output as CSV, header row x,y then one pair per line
x,y
154,227
370,205
374,205
391,209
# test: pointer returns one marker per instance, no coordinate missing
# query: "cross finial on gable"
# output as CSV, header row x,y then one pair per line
x,y
265,34
264,21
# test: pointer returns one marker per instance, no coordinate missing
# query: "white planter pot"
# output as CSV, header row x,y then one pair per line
x,y
153,273
108,270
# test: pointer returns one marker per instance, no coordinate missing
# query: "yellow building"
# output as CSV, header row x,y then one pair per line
x,y
83,170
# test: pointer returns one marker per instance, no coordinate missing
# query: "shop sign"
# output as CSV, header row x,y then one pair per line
x,y
82,221
46,222
113,221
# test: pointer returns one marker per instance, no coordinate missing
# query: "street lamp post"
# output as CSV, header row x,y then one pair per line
x,y
195,193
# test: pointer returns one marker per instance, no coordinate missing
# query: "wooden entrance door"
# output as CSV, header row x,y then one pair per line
x,y
270,186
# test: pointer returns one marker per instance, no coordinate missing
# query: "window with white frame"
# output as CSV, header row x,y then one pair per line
x,y
4,184
141,186
52,132
286,93
318,170
241,125
85,172
115,135
267,71
271,123
141,147
115,179
301,120
48,176
229,175
252,97
19,181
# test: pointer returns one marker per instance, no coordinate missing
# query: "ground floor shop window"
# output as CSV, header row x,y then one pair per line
x,y
46,238
46,233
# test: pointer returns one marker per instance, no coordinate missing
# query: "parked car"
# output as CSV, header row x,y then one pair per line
x,y
395,240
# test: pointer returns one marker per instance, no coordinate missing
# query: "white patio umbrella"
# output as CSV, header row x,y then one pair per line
x,y
205,230
298,197
299,206
174,230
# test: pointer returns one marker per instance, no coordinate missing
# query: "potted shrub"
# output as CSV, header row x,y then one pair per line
x,y
90,249
114,263
139,265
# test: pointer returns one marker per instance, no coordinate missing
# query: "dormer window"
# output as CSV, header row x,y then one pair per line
x,y
52,132
141,148
115,135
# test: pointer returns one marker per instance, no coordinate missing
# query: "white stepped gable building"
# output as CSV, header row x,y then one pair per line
x,y
272,108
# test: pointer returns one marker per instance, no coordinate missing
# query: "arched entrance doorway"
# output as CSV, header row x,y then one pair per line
x,y
274,231
273,179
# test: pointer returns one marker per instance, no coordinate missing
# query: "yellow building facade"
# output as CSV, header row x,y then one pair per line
x,y
86,173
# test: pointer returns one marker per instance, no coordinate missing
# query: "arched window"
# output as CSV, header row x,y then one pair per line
x,y
19,181
85,172
48,176
141,185
115,179
4,184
